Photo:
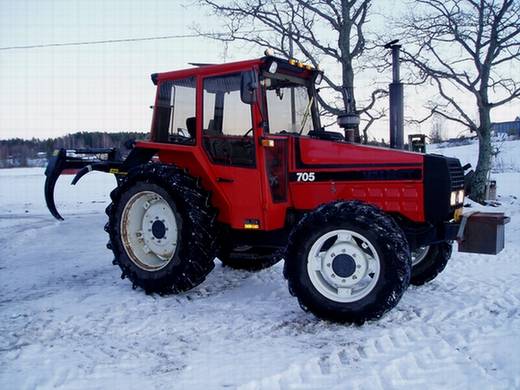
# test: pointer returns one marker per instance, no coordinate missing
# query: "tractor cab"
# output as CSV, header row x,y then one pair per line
x,y
233,103
231,125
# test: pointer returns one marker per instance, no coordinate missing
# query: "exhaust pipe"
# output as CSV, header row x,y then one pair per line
x,y
396,99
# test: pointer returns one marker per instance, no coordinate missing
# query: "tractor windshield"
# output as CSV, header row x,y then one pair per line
x,y
291,105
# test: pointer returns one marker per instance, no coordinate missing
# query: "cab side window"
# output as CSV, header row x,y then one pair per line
x,y
227,123
175,112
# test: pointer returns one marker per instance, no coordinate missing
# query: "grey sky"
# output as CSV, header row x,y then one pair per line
x,y
52,91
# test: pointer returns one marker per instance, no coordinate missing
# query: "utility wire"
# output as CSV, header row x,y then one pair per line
x,y
104,41
208,35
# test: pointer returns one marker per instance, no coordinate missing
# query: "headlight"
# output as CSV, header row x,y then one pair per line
x,y
273,67
319,77
453,198
456,197
460,196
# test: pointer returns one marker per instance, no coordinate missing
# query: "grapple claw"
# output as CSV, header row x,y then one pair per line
x,y
82,160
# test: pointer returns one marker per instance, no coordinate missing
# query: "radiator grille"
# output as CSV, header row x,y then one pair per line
x,y
456,174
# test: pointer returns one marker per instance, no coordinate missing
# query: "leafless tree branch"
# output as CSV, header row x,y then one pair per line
x,y
466,46
304,22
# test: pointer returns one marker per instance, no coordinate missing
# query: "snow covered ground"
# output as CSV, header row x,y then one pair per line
x,y
68,321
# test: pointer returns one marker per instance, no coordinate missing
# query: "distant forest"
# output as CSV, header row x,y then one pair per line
x,y
18,152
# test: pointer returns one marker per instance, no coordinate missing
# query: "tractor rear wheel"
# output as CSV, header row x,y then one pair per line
x,y
347,262
249,258
162,229
429,261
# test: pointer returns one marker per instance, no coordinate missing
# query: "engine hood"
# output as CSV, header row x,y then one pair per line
x,y
315,153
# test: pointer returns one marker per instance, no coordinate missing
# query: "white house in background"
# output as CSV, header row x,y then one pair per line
x,y
509,128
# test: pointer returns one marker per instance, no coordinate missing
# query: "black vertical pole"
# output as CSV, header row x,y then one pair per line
x,y
293,99
396,100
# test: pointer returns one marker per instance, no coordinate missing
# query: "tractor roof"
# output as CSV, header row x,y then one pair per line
x,y
214,69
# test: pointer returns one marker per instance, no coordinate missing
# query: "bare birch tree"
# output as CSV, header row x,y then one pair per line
x,y
467,48
318,29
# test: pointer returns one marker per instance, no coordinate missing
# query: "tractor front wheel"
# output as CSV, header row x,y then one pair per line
x,y
429,261
347,262
162,229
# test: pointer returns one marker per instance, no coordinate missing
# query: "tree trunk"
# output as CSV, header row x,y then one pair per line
x,y
478,184
347,70
348,97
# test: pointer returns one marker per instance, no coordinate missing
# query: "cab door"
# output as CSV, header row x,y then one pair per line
x,y
229,141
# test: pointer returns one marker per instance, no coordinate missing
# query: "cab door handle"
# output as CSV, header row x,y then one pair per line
x,y
224,180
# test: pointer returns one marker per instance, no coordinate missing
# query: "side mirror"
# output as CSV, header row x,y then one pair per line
x,y
248,87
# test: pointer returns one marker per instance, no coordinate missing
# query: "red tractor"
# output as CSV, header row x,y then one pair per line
x,y
239,166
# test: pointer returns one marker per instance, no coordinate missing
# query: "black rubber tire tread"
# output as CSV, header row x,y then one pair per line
x,y
432,265
385,235
197,245
260,261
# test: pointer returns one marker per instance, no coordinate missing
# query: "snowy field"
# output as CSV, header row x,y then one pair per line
x,y
68,321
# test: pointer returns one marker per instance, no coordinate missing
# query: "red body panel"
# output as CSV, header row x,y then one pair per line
x,y
401,196
244,194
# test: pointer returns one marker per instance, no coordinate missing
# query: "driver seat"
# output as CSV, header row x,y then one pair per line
x,y
191,124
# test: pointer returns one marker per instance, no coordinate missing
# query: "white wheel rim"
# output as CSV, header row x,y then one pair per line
x,y
149,230
348,270
419,254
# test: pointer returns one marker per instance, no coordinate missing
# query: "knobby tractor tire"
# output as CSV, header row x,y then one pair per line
x,y
432,264
378,232
195,222
249,260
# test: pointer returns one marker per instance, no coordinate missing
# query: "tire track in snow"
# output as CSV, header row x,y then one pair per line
x,y
407,357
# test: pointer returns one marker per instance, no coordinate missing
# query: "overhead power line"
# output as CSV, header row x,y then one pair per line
x,y
104,41
194,35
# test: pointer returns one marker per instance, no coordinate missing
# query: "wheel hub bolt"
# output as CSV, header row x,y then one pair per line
x,y
354,277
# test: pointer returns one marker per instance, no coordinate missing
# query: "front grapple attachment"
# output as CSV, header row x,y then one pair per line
x,y
80,161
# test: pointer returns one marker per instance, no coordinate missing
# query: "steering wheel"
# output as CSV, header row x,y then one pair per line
x,y
180,139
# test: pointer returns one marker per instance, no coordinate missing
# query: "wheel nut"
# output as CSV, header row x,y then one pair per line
x,y
354,277
358,266
328,265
